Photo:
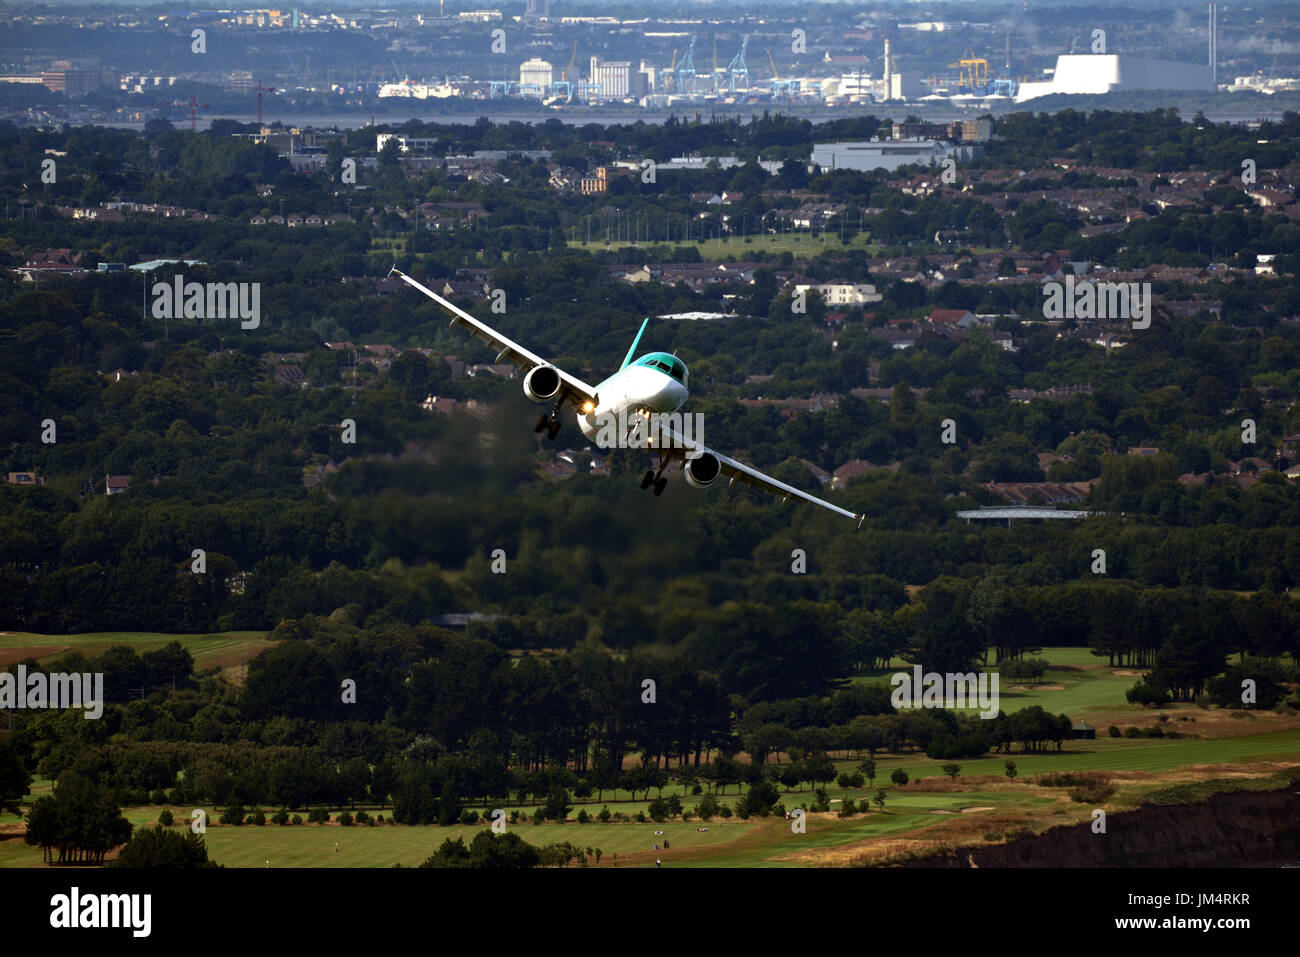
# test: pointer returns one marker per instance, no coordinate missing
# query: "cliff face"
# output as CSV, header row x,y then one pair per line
x,y
1240,829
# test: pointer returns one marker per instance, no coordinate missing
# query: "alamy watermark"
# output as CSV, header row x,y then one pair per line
x,y
179,299
658,430
934,690
1098,300
74,910
54,690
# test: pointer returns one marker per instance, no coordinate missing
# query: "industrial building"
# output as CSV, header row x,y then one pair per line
x,y
890,154
536,76
1094,73
405,144
617,79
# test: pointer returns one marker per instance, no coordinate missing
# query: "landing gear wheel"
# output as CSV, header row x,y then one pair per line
x,y
648,480
660,485
553,429
542,423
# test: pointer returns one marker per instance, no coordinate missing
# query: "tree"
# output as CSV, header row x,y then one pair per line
x,y
501,851
952,769
899,777
162,847
869,769
80,819
1269,678
14,779
658,810
880,798
557,806
449,854
1011,770
759,800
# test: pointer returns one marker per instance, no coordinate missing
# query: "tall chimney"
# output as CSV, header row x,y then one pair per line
x,y
889,86
1214,45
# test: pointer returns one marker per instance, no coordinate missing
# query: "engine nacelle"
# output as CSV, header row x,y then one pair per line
x,y
542,383
702,470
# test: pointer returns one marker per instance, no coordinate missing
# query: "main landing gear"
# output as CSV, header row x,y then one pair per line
x,y
656,478
550,423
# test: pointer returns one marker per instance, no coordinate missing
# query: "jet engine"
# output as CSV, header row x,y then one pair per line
x,y
542,383
702,470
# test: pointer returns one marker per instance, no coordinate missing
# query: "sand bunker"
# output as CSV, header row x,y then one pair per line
x,y
9,656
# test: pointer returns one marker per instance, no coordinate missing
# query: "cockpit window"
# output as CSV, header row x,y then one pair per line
x,y
666,363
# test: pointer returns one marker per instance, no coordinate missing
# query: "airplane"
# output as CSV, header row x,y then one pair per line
x,y
654,383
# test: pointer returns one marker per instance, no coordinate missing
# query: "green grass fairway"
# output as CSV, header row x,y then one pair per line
x,y
215,650
716,249
1104,754
1087,684
1085,687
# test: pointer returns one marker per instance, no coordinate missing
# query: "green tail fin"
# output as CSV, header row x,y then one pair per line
x,y
632,352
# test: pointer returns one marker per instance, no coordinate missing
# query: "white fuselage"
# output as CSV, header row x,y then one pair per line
x,y
631,390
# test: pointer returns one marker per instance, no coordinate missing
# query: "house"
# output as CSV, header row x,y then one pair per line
x,y
1143,450
960,318
433,403
1083,730
457,621
116,484
897,338
1270,197
25,478
1251,465
854,468
288,374
841,293
502,369
1041,493
1004,340
822,476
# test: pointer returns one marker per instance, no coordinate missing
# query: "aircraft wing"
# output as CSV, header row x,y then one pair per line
x,y
507,349
679,446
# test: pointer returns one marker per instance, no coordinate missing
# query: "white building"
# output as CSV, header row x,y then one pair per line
x,y
404,143
889,154
841,293
614,77
418,91
1094,73
537,72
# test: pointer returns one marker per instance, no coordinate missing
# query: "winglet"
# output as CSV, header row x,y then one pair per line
x,y
861,518
627,361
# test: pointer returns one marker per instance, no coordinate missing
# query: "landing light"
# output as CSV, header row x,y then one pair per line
x,y
588,407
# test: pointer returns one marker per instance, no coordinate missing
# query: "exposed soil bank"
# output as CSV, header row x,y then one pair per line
x,y
1238,829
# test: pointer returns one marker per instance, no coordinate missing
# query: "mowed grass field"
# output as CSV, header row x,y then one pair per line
x,y
1217,744
799,244
225,650
1076,683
